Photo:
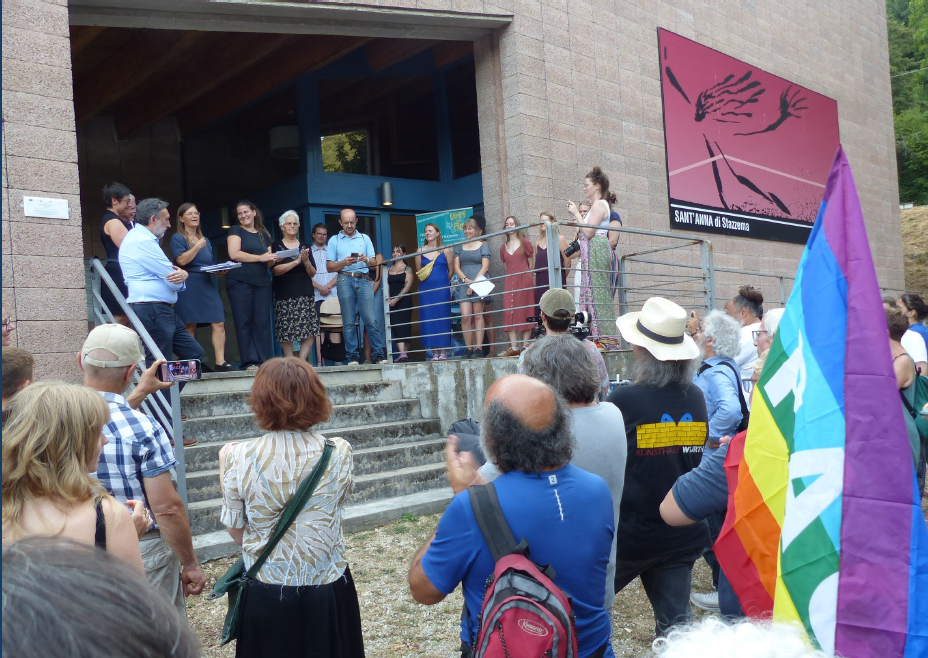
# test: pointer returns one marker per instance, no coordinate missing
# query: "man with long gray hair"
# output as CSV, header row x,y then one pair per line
x,y
665,430
562,362
546,500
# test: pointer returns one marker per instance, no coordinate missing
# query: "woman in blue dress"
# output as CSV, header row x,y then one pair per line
x,y
199,302
434,295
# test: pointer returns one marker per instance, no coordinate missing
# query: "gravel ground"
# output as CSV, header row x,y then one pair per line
x,y
396,626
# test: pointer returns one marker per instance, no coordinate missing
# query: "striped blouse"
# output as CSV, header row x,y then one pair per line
x,y
259,480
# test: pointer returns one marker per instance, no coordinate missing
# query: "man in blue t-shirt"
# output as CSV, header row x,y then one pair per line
x,y
349,252
563,512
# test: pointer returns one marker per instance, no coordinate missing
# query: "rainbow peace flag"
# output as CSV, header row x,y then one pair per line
x,y
824,523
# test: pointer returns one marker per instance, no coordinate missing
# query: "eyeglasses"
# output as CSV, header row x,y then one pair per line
x,y
756,334
9,324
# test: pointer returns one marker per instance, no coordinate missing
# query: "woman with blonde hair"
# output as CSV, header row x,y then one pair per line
x,y
52,441
198,303
471,261
434,273
518,293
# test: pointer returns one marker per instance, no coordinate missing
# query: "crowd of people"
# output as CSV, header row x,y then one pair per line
x,y
606,484
276,288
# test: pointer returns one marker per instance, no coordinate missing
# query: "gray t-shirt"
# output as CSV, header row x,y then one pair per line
x,y
601,450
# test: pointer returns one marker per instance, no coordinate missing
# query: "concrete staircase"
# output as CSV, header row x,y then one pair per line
x,y
398,461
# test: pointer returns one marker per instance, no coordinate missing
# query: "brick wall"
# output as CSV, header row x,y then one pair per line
x,y
43,279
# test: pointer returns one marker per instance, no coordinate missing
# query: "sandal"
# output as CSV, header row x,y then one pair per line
x,y
442,357
225,367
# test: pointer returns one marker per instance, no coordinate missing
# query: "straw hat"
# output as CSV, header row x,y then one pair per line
x,y
660,329
330,313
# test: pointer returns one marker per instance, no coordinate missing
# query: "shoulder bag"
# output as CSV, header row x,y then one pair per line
x,y
233,581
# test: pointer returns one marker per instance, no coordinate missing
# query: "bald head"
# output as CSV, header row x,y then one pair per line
x,y
530,400
348,221
526,426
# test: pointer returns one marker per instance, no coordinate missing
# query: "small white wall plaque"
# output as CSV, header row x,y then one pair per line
x,y
48,208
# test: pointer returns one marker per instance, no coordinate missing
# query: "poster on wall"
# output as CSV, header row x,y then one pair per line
x,y
748,153
449,222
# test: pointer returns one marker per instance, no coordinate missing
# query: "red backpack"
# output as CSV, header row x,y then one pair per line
x,y
524,613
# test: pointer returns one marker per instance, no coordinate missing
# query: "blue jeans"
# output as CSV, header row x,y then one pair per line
x,y
666,580
356,297
377,298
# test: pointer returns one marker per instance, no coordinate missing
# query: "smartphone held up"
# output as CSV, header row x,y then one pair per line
x,y
180,371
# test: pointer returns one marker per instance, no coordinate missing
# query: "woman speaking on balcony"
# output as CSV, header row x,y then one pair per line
x,y
302,601
595,286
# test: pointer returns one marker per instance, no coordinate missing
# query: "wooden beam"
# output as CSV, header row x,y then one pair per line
x,y
384,53
203,74
129,68
82,36
446,52
109,41
307,55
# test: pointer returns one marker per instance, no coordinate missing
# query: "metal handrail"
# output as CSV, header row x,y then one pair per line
x,y
174,425
703,282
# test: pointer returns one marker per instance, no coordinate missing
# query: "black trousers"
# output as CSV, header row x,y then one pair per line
x,y
251,313
168,332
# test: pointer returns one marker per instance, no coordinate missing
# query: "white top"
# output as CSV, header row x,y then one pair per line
x,y
605,222
260,478
914,344
747,357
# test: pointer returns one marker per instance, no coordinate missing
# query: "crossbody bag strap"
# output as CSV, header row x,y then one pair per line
x,y
294,507
744,404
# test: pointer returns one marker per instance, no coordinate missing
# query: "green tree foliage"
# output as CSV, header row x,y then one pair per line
x,y
907,23
345,153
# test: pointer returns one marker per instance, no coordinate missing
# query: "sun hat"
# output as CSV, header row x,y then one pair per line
x,y
660,329
556,300
123,342
330,313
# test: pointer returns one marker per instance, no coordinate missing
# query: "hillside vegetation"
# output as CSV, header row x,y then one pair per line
x,y
915,248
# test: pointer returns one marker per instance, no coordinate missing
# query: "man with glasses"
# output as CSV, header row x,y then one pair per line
x,y
348,253
8,327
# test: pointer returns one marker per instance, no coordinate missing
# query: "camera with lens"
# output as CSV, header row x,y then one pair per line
x,y
572,248
578,325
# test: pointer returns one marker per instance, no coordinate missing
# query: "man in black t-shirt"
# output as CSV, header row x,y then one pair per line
x,y
665,427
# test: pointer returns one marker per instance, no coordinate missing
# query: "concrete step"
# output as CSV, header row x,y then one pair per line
x,y
205,455
206,405
237,380
204,484
218,544
204,514
242,426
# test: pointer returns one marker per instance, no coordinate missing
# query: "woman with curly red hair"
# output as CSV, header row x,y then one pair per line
x,y
302,601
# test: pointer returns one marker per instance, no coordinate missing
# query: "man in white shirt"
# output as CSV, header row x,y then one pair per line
x,y
325,283
747,307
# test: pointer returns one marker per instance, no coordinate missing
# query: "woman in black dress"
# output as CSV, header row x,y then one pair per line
x,y
294,308
116,222
249,286
400,279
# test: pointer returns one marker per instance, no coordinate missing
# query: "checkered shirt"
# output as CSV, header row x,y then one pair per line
x,y
138,448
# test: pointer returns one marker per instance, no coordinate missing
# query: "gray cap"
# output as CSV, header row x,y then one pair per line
x,y
556,300
124,343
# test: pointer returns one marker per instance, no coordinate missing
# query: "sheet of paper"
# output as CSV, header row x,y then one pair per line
x,y
481,286
288,253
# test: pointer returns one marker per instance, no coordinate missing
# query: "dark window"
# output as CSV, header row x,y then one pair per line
x,y
462,119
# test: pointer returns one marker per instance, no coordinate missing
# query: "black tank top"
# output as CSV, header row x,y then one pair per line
x,y
112,251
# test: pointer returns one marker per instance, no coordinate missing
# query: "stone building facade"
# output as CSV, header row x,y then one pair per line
x,y
562,86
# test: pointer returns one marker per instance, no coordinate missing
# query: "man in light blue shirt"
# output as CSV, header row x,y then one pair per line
x,y
719,379
153,282
349,253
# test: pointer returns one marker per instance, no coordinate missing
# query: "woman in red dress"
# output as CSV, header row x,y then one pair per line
x,y
519,293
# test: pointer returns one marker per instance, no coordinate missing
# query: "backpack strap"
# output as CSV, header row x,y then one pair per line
x,y
492,522
744,404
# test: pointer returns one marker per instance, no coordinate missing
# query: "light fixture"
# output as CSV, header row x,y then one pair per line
x,y
285,142
224,214
386,194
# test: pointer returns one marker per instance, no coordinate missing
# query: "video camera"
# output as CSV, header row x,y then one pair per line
x,y
579,325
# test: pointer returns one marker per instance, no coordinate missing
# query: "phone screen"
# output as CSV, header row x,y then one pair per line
x,y
180,371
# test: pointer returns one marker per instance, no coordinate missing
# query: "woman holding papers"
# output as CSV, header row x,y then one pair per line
x,y
199,302
541,259
294,300
471,262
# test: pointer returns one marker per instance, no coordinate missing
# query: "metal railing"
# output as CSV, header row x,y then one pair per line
x,y
157,407
630,278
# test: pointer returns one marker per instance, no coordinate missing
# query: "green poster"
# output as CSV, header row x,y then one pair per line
x,y
449,222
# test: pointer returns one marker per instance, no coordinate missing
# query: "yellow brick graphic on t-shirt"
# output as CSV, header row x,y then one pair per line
x,y
668,433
